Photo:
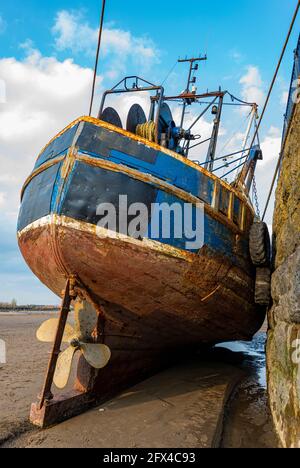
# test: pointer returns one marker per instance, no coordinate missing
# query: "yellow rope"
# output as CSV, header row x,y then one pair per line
x,y
147,131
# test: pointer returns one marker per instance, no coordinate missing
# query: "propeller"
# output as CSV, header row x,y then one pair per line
x,y
79,338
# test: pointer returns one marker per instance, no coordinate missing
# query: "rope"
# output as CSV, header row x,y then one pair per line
x,y
97,56
147,131
244,103
273,81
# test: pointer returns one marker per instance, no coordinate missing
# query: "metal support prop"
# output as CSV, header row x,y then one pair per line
x,y
50,410
69,295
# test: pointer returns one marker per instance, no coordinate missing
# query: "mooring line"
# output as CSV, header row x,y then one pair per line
x,y
273,82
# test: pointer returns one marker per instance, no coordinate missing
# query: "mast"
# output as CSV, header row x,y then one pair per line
x,y
194,66
211,154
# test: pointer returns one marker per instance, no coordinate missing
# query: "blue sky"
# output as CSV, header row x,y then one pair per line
x,y
46,56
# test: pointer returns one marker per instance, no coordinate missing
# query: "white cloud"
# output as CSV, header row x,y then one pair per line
x,y
72,32
236,55
284,98
43,96
2,199
2,91
252,86
271,145
252,77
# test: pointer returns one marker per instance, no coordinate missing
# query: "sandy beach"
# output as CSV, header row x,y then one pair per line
x,y
22,376
184,406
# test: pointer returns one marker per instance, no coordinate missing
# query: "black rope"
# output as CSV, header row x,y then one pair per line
x,y
244,103
97,55
273,80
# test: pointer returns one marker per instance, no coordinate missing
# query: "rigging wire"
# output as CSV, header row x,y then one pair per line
x,y
97,55
273,80
272,186
170,72
234,134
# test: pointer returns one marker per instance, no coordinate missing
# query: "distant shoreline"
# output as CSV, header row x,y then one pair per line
x,y
29,308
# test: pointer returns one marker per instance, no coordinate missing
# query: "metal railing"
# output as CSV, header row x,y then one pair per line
x,y
293,87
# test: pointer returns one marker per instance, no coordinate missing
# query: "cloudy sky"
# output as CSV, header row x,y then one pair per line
x,y
46,58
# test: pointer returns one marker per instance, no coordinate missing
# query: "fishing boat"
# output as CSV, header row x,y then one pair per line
x,y
151,246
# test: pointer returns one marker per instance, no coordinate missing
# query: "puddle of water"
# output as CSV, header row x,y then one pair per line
x,y
249,423
253,356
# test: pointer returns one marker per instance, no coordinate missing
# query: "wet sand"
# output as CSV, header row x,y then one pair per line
x,y
217,399
21,378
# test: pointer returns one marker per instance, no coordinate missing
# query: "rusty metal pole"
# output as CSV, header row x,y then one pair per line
x,y
64,311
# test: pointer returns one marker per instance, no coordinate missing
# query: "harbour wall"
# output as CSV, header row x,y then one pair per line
x,y
283,348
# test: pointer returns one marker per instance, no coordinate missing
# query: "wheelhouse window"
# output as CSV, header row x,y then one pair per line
x,y
224,198
237,211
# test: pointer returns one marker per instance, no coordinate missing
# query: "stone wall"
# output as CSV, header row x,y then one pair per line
x,y
283,348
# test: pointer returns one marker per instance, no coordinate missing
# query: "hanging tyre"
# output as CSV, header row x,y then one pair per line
x,y
260,244
263,286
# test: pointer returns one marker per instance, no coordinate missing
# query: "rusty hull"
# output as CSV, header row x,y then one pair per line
x,y
154,296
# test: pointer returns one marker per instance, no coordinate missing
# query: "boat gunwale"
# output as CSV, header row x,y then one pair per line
x,y
100,123
151,180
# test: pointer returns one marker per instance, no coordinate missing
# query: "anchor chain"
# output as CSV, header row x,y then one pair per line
x,y
255,198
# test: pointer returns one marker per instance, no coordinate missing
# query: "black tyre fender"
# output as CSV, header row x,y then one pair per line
x,y
260,244
263,286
